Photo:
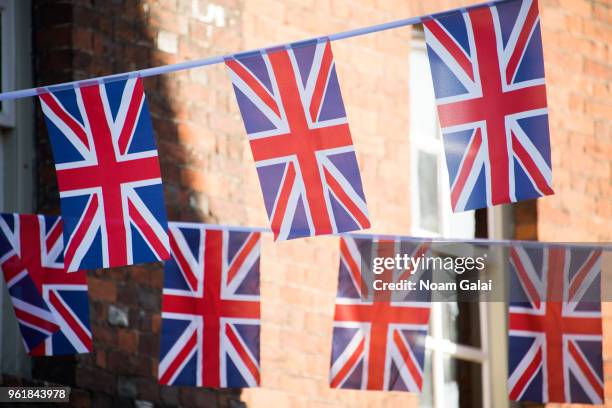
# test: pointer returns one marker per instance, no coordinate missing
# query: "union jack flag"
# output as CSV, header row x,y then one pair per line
x,y
51,304
108,175
294,116
555,338
488,74
210,308
378,343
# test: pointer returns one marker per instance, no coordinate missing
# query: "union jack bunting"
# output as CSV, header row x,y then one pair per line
x,y
555,338
488,75
378,341
294,116
108,175
51,305
210,308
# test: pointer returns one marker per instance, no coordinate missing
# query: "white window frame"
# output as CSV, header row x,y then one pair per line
x,y
434,145
490,355
431,144
439,348
7,49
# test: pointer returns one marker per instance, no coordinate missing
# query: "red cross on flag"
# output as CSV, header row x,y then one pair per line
x,y
488,76
378,341
294,116
555,338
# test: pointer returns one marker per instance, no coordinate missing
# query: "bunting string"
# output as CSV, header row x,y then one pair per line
x,y
385,236
180,66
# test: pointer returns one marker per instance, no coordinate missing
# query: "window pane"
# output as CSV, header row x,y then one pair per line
x,y
461,323
427,173
423,117
462,383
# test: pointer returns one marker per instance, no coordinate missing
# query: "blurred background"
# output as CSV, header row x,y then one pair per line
x,y
209,176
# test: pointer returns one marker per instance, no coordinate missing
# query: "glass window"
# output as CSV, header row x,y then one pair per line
x,y
459,361
462,383
431,209
427,169
457,364
423,119
456,317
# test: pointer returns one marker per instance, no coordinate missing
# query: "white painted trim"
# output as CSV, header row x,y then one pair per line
x,y
439,346
499,227
486,363
437,357
450,225
492,355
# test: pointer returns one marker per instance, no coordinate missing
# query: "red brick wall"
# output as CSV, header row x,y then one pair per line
x,y
577,37
209,175
80,39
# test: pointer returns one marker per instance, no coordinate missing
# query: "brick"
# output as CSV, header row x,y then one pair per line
x,y
99,310
95,379
127,294
141,319
104,335
597,69
137,56
101,358
120,363
143,366
194,179
128,340
80,398
598,109
148,389
580,7
155,323
170,395
140,274
156,278
201,398
149,345
149,299
100,289
167,42
83,39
